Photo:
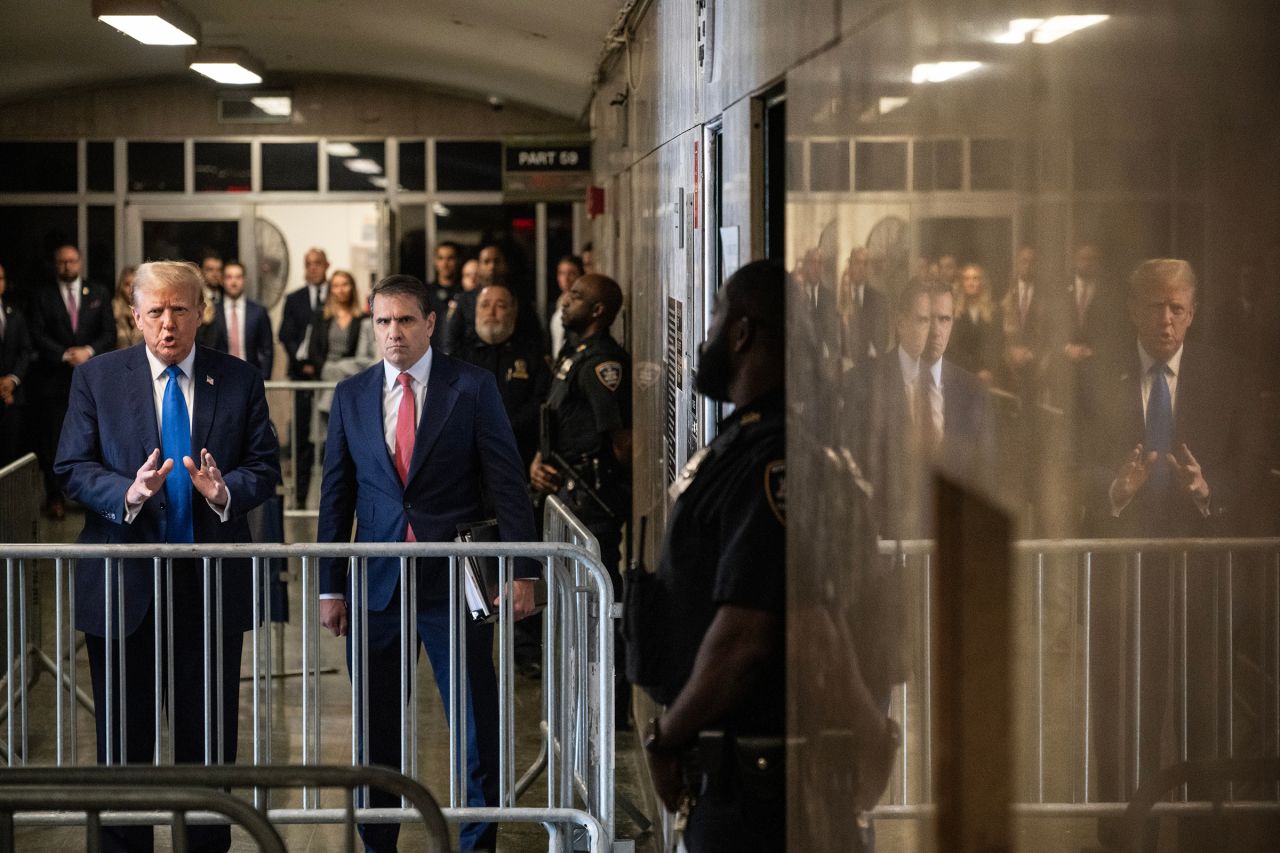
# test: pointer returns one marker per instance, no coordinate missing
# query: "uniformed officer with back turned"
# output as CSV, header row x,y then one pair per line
x,y
585,447
705,633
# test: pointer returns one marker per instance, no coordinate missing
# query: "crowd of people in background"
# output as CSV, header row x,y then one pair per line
x,y
1036,347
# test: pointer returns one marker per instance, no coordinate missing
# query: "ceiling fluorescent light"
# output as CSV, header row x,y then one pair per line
x,y
379,181
274,105
940,72
363,166
341,149
1019,29
889,103
228,65
156,22
1064,25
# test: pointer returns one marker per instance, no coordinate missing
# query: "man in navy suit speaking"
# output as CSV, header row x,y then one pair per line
x,y
165,442
418,444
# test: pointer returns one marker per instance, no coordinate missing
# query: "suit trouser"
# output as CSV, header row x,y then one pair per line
x,y
385,726
303,403
10,432
185,702
53,411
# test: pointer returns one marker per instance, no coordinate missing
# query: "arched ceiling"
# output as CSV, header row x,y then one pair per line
x,y
537,52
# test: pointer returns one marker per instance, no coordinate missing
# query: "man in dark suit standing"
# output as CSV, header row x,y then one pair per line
x,y
166,442
302,310
918,411
241,326
864,311
1168,448
419,444
71,321
15,355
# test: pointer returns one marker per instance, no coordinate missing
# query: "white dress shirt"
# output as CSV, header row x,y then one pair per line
x,y
911,378
160,381
392,392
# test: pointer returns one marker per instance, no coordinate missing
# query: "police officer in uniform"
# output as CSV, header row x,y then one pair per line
x,y
709,643
585,452
516,362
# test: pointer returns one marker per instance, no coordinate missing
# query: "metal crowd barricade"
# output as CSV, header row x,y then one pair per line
x,y
67,783
1054,597
578,675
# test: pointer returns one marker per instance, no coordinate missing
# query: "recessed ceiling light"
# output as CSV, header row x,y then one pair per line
x,y
274,105
363,166
940,72
155,22
341,149
1046,30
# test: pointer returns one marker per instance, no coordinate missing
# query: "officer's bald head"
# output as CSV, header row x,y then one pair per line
x,y
605,291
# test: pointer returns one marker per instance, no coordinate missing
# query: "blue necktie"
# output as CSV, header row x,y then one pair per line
x,y
1159,434
176,440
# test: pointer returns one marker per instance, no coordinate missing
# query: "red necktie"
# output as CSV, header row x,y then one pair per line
x,y
71,309
406,424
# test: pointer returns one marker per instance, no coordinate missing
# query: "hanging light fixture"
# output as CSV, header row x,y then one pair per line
x,y
228,65
149,21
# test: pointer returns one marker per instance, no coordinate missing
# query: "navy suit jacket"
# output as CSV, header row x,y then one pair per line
x,y
259,344
51,334
15,348
110,430
1216,416
884,438
294,321
465,468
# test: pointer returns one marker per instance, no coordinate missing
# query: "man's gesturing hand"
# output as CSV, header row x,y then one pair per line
x,y
148,480
207,478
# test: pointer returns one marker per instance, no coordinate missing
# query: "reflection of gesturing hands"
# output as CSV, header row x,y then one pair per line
x,y
1186,472
1132,475
207,478
148,480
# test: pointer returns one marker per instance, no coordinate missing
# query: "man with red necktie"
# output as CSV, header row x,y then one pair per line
x,y
418,444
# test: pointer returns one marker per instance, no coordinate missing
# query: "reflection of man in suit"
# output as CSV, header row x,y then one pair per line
x,y
1023,311
241,326
418,444
70,323
864,311
15,355
166,442
921,411
1168,449
302,309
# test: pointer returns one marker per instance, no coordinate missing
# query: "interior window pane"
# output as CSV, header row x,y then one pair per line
x,y
155,167
990,164
922,179
411,242
1126,164
37,167
101,164
222,167
357,166
102,245
829,166
880,166
29,235
474,165
413,166
290,166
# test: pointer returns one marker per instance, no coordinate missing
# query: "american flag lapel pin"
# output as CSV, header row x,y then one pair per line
x,y
208,379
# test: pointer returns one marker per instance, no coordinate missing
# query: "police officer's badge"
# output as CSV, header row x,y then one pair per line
x,y
519,370
775,488
610,374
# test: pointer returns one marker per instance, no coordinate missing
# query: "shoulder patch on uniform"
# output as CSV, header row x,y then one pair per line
x,y
610,374
775,488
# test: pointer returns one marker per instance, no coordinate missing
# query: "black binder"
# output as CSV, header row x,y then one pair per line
x,y
481,574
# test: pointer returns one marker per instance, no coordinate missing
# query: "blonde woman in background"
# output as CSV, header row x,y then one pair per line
x,y
343,341
127,331
977,331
